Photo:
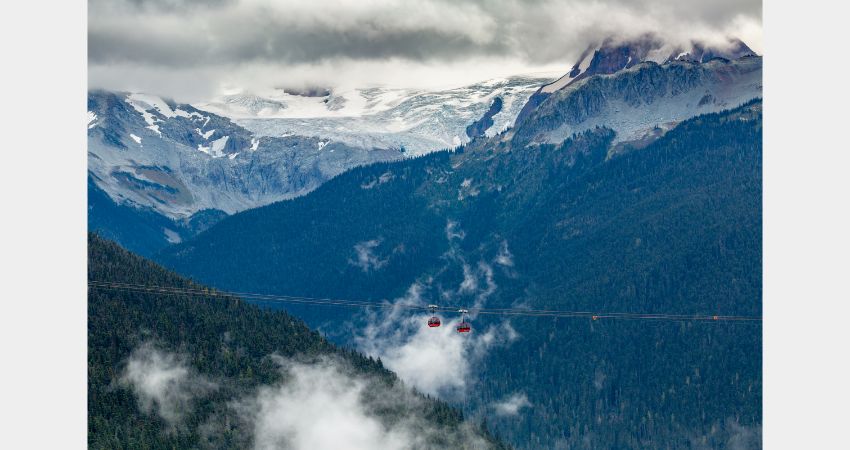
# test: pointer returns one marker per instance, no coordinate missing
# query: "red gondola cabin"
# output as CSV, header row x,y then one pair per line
x,y
434,321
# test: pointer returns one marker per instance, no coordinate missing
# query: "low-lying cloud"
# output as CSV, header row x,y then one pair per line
x,y
322,403
453,231
163,383
729,434
512,405
505,257
365,256
320,407
438,361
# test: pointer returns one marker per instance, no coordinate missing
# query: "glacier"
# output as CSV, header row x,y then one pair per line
x,y
417,121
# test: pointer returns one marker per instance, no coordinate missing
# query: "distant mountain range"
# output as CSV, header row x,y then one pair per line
x,y
168,162
163,162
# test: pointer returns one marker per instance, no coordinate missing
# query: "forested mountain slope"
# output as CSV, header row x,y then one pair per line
x,y
141,230
188,371
671,227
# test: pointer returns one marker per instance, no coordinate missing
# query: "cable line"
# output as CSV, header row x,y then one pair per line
x,y
328,301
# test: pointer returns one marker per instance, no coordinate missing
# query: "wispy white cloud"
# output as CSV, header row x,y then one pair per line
x,y
365,256
163,382
512,405
453,231
438,361
323,404
319,407
505,257
470,280
729,434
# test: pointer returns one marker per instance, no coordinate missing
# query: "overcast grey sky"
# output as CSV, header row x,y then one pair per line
x,y
192,49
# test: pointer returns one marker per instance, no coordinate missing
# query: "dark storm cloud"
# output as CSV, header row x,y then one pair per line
x,y
194,49
284,46
159,5
194,33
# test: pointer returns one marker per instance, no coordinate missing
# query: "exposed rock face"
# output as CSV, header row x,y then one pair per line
x,y
614,55
647,96
480,126
308,91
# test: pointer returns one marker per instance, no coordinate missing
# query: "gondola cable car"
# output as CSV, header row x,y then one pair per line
x,y
434,321
463,326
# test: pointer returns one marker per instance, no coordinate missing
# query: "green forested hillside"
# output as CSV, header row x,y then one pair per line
x,y
674,227
232,351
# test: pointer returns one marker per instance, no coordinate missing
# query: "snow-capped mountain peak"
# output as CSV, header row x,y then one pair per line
x,y
175,159
613,55
701,52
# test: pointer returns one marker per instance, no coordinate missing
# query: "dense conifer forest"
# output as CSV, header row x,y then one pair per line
x,y
215,351
674,228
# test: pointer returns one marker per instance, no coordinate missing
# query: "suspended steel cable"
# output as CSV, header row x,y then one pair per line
x,y
327,301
